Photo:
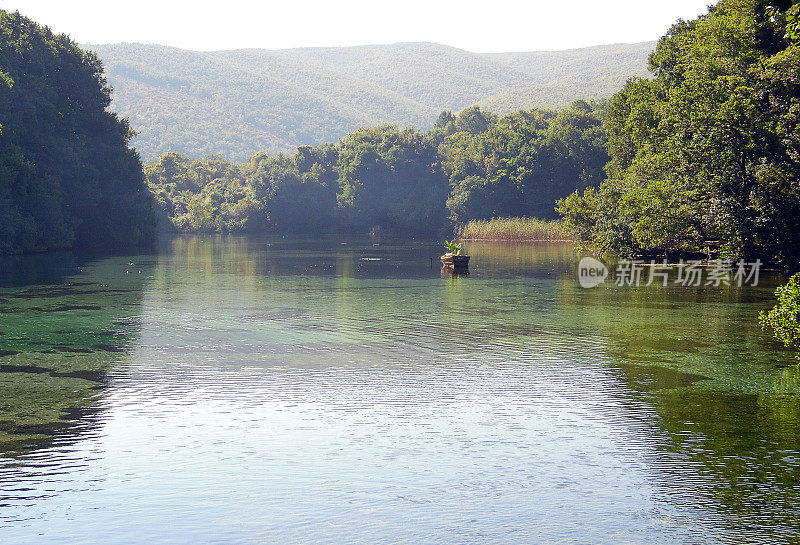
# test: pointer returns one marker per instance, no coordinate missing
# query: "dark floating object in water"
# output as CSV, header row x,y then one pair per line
x,y
456,262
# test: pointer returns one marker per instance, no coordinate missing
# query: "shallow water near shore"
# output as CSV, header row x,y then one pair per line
x,y
233,390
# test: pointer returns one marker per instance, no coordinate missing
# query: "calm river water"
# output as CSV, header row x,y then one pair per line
x,y
226,390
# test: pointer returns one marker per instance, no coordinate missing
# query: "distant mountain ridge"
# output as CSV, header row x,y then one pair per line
x,y
239,102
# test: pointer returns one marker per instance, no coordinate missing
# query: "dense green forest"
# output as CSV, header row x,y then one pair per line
x,y
705,153
70,178
238,103
66,171
473,165
709,148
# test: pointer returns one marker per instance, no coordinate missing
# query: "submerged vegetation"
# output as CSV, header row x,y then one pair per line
x,y
59,339
516,230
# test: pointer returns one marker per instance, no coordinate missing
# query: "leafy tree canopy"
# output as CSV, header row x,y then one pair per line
x,y
471,165
67,174
708,150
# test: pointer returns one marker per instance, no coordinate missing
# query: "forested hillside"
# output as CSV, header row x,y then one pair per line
x,y
560,77
67,174
237,103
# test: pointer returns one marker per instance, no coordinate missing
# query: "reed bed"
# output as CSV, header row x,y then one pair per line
x,y
516,230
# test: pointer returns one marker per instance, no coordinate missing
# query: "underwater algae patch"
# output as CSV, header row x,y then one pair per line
x,y
47,389
41,394
58,343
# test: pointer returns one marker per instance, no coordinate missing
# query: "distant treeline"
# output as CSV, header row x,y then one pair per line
x,y
67,175
472,165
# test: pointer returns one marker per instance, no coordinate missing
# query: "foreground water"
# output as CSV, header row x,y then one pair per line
x,y
235,391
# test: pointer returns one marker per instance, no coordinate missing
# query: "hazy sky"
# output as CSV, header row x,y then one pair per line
x,y
489,25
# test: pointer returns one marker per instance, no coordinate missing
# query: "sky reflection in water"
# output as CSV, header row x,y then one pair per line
x,y
257,391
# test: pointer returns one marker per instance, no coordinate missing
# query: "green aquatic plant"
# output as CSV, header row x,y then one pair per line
x,y
784,318
453,247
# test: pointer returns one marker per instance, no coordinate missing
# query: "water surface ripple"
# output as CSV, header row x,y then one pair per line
x,y
276,391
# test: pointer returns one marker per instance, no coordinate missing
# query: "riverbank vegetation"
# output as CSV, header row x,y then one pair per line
x,y
516,230
67,174
704,154
708,149
784,319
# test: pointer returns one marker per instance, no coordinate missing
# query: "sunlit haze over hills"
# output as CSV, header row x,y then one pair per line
x,y
500,26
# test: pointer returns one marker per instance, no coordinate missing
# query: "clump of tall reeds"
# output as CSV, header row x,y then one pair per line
x,y
515,230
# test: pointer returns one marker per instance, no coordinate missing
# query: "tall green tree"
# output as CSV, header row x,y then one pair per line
x,y
524,163
67,173
707,150
391,178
